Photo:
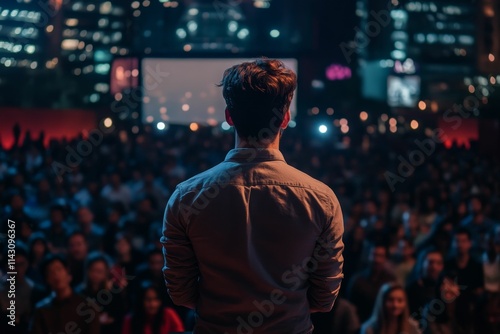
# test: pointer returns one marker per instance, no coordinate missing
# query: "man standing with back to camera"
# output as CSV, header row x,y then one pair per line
x,y
253,245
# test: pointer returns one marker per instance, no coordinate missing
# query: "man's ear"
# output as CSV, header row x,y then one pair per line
x,y
229,120
286,120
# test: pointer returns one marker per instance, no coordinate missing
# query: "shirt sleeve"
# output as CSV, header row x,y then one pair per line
x,y
325,280
180,271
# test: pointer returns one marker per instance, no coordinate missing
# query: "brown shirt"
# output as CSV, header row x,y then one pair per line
x,y
253,245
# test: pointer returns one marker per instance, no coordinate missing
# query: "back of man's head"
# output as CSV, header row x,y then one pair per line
x,y
258,95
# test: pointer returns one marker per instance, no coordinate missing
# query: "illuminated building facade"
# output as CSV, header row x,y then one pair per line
x,y
489,37
409,46
93,32
22,33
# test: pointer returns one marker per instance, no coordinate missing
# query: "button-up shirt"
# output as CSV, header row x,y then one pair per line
x,y
253,245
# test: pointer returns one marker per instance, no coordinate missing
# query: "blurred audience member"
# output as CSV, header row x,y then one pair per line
x,y
343,318
92,232
77,253
364,287
64,311
56,229
469,271
422,282
390,313
440,314
38,248
149,316
405,260
106,297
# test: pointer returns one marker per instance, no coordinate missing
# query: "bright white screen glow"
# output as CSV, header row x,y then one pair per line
x,y
188,93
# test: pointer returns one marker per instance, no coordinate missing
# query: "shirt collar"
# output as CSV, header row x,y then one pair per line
x,y
249,155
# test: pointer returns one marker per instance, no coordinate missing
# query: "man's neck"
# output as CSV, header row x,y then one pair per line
x,y
263,144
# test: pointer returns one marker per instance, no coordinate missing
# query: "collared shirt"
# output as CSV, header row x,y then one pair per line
x,y
253,245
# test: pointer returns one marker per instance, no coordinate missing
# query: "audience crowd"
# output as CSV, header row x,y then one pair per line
x,y
422,238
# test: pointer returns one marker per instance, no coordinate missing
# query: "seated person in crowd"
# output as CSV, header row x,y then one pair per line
x,y
149,316
64,311
77,253
390,313
422,283
343,318
108,297
27,294
440,315
364,286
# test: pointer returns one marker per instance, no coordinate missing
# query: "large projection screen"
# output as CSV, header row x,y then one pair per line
x,y
183,91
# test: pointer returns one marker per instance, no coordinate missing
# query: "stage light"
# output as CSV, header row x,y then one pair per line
x,y
232,26
262,4
338,72
193,11
414,124
275,33
160,126
243,33
363,116
422,105
292,124
225,126
181,33
322,128
194,127
185,107
192,26
108,122
93,97
317,84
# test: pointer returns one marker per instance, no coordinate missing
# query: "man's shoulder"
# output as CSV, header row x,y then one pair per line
x,y
226,173
218,174
305,180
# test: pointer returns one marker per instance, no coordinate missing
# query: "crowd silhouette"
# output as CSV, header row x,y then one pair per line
x,y
422,250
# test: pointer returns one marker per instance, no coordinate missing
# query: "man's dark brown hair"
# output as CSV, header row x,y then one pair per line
x,y
258,94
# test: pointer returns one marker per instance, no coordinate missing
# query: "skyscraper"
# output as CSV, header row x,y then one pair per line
x,y
406,44
489,37
22,30
93,32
